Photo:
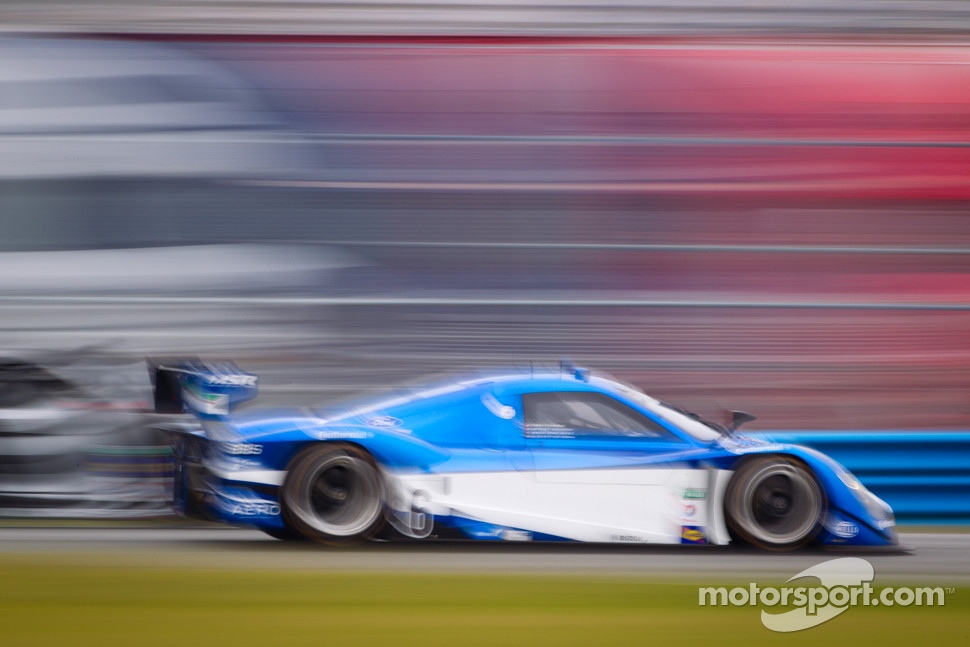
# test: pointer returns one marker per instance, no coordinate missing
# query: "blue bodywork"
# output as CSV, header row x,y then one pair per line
x,y
230,467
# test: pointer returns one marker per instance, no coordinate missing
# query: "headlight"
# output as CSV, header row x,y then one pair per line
x,y
876,507
850,481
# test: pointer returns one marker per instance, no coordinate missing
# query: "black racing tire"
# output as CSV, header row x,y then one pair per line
x,y
334,494
774,503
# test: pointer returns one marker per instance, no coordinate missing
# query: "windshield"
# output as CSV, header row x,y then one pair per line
x,y
691,423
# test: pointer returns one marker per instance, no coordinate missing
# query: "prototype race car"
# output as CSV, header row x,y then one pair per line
x,y
520,455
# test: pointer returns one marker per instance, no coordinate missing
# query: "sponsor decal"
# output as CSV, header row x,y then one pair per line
x,y
331,435
488,533
846,529
748,449
692,535
839,528
242,504
554,432
243,449
254,509
628,538
231,380
384,421
690,510
516,535
204,402
695,493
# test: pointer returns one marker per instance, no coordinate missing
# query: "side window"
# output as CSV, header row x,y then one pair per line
x,y
580,414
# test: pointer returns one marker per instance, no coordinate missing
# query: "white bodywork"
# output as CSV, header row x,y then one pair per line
x,y
646,505
632,505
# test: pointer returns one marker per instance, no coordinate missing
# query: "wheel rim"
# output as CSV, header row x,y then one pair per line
x,y
780,504
340,497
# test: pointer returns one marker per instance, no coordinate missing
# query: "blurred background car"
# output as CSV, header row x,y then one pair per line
x,y
120,171
75,438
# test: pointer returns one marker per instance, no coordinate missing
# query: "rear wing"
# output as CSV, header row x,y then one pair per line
x,y
207,389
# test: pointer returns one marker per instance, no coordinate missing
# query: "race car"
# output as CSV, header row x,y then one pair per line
x,y
530,454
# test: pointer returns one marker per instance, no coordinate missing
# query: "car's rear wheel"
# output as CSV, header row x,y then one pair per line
x,y
774,503
334,494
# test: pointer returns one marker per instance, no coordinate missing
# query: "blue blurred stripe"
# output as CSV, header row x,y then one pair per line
x,y
924,476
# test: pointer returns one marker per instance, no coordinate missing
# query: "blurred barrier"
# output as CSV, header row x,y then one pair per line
x,y
924,476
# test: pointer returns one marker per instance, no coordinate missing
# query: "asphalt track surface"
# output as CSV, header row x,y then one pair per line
x,y
928,558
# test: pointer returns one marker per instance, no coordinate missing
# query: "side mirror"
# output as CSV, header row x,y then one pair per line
x,y
738,418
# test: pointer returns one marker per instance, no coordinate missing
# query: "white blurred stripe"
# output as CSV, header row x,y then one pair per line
x,y
772,249
537,301
502,17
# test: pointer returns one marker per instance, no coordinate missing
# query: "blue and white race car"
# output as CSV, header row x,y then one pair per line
x,y
521,455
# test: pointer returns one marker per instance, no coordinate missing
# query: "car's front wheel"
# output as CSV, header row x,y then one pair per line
x,y
334,494
774,503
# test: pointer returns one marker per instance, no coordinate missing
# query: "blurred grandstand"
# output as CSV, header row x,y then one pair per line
x,y
735,206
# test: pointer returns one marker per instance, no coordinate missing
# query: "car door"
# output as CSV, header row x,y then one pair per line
x,y
602,469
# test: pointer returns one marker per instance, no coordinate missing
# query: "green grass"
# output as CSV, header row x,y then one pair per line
x,y
60,600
